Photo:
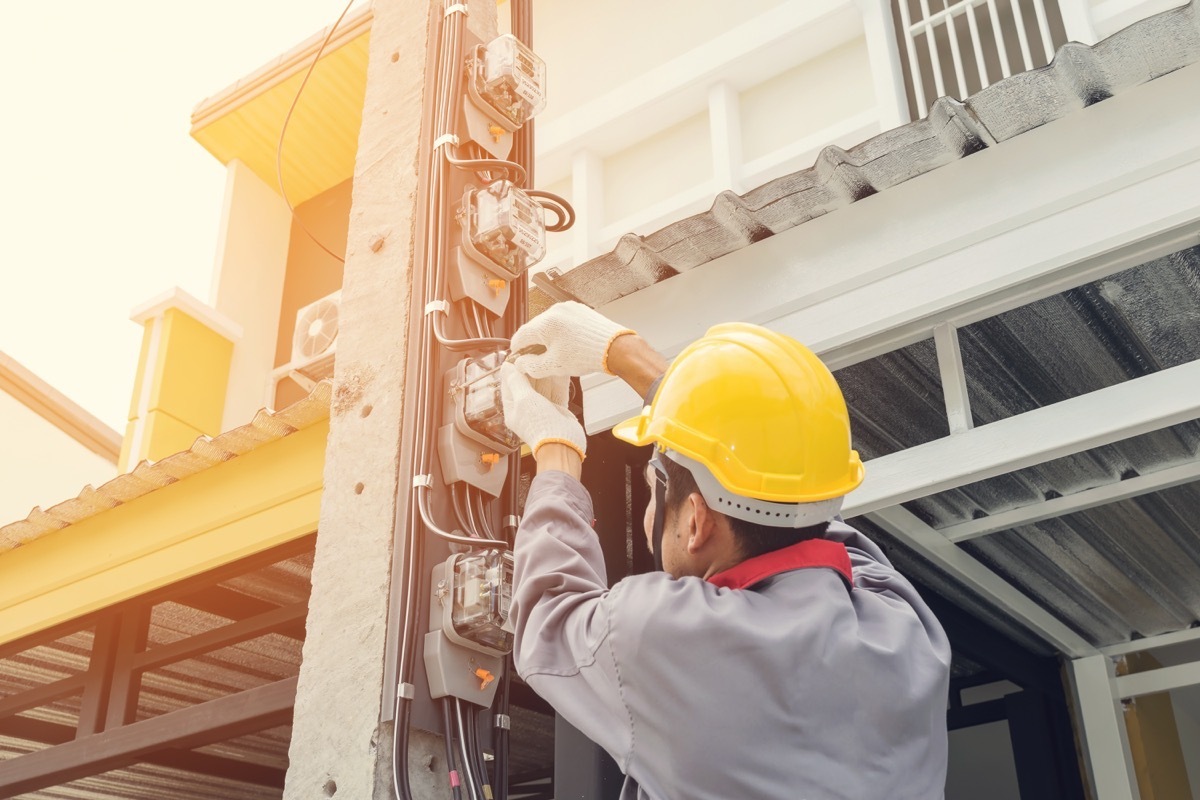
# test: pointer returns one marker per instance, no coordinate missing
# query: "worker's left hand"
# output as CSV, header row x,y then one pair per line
x,y
536,410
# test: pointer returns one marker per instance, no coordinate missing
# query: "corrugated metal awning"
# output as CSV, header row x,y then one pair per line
x,y
146,477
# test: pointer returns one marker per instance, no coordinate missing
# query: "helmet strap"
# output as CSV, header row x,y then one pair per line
x,y
660,509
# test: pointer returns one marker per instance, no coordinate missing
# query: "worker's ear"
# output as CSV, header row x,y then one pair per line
x,y
700,523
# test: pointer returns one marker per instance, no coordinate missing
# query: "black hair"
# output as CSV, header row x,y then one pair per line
x,y
753,538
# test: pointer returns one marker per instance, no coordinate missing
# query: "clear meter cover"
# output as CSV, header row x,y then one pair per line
x,y
506,227
482,407
512,79
482,591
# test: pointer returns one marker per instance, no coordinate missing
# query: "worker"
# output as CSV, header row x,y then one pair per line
x,y
777,654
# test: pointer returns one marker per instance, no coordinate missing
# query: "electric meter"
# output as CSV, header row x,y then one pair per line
x,y
480,593
479,393
504,227
473,442
469,631
510,80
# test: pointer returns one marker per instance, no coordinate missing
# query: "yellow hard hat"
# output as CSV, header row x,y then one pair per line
x,y
759,410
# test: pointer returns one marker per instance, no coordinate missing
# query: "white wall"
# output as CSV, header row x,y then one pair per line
x,y
248,278
669,103
592,47
1110,16
41,465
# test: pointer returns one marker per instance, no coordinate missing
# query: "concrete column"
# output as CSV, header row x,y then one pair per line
x,y
339,747
891,98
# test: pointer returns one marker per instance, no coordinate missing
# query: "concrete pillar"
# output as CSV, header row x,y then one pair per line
x,y
339,747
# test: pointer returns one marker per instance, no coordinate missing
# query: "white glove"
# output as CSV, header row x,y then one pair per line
x,y
536,411
567,339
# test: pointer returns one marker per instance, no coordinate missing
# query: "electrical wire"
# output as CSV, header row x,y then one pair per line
x,y
461,345
412,561
563,210
475,499
473,784
515,172
448,740
288,118
436,530
475,749
458,503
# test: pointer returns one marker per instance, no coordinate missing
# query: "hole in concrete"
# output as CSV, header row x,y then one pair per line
x,y
330,788
358,488
367,409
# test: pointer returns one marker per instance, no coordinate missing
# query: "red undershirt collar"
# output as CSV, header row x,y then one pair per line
x,y
802,555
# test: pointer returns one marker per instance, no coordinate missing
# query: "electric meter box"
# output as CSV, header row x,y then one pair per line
x,y
509,80
503,228
505,87
473,446
475,609
469,627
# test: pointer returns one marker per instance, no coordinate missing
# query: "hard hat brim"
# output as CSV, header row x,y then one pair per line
x,y
633,430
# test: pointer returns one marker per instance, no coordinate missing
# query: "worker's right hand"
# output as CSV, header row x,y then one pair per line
x,y
536,410
568,339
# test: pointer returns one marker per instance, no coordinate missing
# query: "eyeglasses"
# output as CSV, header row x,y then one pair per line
x,y
659,468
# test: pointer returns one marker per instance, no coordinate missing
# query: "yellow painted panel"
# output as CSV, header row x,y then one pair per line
x,y
245,537
147,335
248,504
192,373
126,446
322,136
163,435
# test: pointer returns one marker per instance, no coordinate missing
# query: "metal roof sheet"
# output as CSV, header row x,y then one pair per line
x,y
267,426
1079,76
1123,570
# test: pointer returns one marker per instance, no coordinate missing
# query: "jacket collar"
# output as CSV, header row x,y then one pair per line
x,y
819,553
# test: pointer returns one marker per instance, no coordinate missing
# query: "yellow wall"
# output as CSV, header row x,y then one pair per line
x,y
179,393
263,498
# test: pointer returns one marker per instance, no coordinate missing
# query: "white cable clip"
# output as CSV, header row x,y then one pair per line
x,y
407,691
445,138
458,8
420,481
503,721
437,305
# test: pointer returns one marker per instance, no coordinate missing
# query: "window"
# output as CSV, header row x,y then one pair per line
x,y
957,47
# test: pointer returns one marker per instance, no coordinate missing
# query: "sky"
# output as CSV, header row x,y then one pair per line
x,y
108,202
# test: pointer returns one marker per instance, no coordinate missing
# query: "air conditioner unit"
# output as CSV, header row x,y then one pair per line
x,y
314,339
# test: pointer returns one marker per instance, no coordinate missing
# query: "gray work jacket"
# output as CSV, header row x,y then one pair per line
x,y
797,686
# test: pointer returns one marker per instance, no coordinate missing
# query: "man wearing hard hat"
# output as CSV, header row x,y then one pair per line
x,y
777,654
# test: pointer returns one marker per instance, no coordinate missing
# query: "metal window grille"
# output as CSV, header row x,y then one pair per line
x,y
956,48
